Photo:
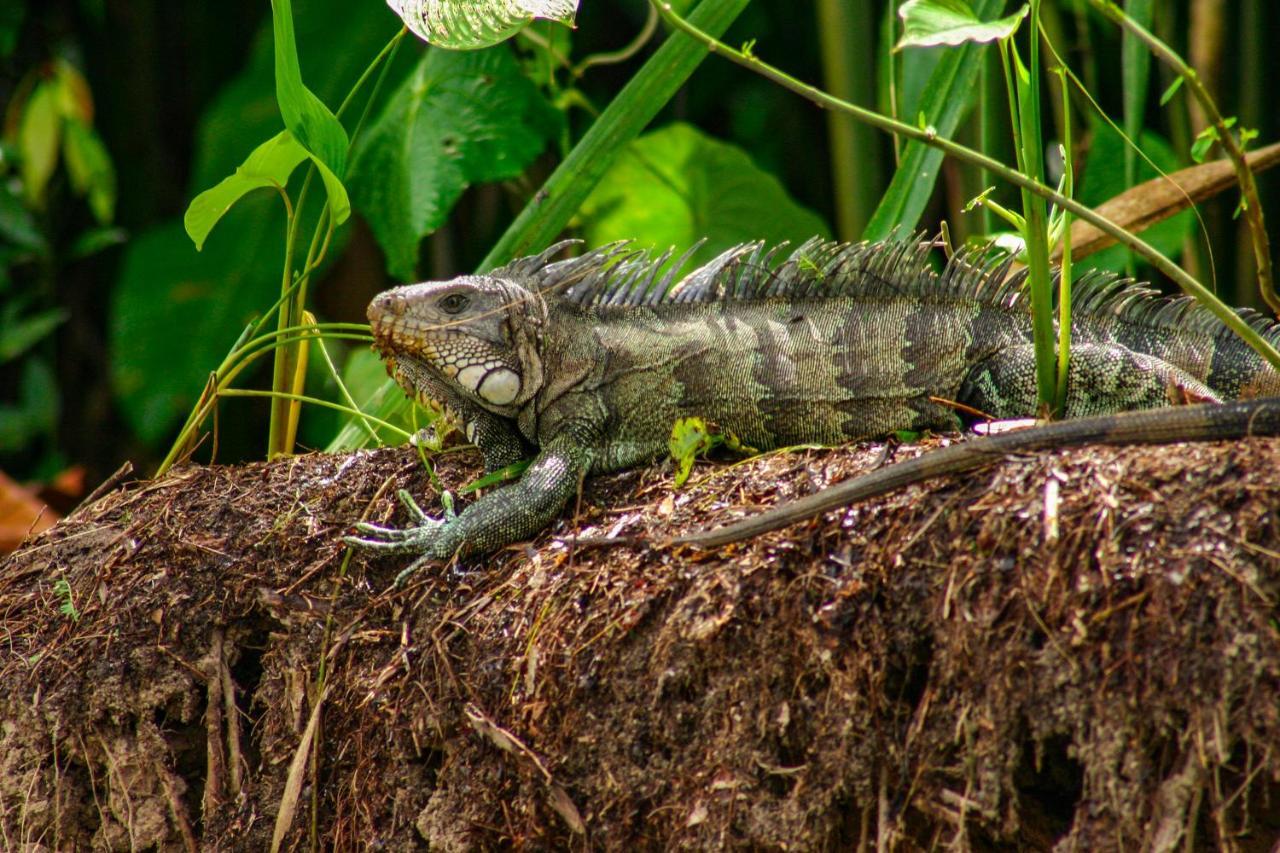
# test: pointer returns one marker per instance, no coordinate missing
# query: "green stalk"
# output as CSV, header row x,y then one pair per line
x,y
287,357
844,30
929,136
1064,274
243,352
1248,187
944,103
551,208
1036,235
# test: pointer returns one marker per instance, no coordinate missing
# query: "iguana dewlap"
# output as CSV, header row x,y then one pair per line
x,y
587,362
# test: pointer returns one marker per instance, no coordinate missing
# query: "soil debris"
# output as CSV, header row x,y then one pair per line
x,y
1073,651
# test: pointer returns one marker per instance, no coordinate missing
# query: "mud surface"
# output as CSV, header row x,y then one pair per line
x,y
1075,651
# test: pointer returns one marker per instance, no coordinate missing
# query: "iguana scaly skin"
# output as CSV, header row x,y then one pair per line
x,y
588,361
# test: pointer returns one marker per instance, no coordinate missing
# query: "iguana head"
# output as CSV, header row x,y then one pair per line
x,y
480,334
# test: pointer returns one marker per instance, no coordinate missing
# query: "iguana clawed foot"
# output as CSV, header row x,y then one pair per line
x,y
423,536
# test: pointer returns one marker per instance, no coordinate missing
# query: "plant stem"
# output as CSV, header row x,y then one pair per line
x,y
1194,288
845,28
1036,234
287,358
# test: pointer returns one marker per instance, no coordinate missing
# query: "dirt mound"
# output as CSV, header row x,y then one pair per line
x,y
1078,650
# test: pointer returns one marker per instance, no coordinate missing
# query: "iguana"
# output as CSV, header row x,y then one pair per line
x,y
587,362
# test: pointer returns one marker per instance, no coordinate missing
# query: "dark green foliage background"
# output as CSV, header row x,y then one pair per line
x,y
183,92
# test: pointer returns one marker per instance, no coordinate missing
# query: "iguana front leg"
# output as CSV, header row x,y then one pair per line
x,y
499,518
495,436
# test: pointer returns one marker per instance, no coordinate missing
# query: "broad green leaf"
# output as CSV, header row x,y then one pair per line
x,y
170,287
676,186
39,133
460,118
90,169
269,165
470,24
1104,177
930,23
945,102
175,312
311,122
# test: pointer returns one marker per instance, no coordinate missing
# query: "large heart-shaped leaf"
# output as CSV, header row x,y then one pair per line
x,y
175,313
470,24
930,23
676,186
460,118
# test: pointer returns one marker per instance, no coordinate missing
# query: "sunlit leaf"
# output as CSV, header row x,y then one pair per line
x,y
676,186
312,123
930,23
39,133
269,165
460,118
470,24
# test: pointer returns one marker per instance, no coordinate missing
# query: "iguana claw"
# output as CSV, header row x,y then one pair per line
x,y
421,537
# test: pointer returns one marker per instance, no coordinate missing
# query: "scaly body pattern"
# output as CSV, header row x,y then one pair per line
x,y
586,363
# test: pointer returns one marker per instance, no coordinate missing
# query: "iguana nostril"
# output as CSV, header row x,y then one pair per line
x,y
385,304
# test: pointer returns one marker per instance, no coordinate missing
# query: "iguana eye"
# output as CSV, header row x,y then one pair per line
x,y
454,303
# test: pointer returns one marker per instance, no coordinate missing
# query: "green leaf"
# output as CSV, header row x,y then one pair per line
x,y
1104,178
1172,90
945,101
460,118
311,122
470,24
269,165
17,225
19,334
693,437
90,169
39,132
493,478
95,240
335,40
174,312
930,23
676,186
690,438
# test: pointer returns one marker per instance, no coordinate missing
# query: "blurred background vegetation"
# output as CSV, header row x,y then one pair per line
x,y
118,112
